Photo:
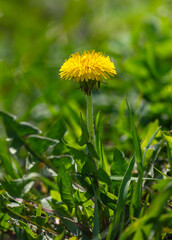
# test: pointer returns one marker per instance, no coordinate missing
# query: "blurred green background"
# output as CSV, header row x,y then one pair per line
x,y
37,36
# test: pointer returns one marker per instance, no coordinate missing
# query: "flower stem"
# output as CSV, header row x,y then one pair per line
x,y
90,124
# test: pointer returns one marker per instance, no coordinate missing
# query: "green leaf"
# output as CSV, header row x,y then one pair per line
x,y
109,199
49,183
65,160
23,134
20,232
55,195
169,148
19,187
96,218
72,226
135,206
57,129
92,150
82,197
4,221
39,220
89,168
120,178
79,156
85,135
38,211
103,176
136,143
115,224
31,235
163,174
15,128
145,163
103,160
40,144
84,183
60,236
119,164
65,186
136,198
6,160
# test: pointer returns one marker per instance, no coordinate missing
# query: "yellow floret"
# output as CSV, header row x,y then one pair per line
x,y
87,66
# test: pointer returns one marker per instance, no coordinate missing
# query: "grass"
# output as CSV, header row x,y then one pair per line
x,y
54,183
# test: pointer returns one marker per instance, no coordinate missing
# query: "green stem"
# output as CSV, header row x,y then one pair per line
x,y
90,124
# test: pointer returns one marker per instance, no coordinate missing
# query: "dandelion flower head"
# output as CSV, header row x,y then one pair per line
x,y
87,69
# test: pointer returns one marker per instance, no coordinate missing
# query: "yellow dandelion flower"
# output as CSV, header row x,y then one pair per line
x,y
87,69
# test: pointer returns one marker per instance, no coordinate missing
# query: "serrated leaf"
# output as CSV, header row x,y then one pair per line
x,y
6,160
82,197
85,184
119,164
103,176
22,133
65,186
65,160
72,227
15,128
31,235
40,144
79,157
89,168
39,220
92,150
19,187
109,200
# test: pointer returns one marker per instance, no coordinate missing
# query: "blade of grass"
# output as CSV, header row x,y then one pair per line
x,y
136,143
103,160
120,178
115,224
169,149
136,198
166,176
135,206
148,145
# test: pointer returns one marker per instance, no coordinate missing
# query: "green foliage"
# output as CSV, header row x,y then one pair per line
x,y
54,184
76,194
